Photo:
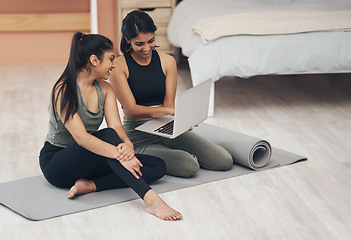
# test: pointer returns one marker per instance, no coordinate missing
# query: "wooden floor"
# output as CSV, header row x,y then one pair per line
x,y
306,114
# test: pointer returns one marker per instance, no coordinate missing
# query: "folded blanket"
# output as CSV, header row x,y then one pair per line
x,y
269,23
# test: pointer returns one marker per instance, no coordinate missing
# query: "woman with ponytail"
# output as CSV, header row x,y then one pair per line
x,y
79,156
145,83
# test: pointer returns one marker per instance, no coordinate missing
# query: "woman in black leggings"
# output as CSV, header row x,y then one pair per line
x,y
76,154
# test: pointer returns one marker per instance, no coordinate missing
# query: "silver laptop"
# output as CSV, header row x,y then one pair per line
x,y
191,108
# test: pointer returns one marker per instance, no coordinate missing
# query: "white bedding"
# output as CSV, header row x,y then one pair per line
x,y
248,55
271,23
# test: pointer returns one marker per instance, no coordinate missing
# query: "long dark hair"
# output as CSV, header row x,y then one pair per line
x,y
134,23
82,47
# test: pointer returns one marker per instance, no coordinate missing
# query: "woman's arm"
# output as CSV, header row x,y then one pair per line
x,y
126,97
77,129
111,112
113,120
169,67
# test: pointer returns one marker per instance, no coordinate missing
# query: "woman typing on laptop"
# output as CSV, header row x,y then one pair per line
x,y
145,83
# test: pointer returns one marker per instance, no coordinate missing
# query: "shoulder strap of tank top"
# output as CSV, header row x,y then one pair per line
x,y
100,93
129,60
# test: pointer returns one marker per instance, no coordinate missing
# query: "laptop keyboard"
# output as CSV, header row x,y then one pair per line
x,y
167,128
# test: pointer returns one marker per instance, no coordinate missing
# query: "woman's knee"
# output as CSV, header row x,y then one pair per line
x,y
108,135
186,165
178,162
224,161
227,163
153,168
157,163
217,159
190,169
160,168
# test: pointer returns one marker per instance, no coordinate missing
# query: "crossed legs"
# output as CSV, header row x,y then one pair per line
x,y
188,152
87,172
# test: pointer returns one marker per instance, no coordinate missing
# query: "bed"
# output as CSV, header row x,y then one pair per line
x,y
245,38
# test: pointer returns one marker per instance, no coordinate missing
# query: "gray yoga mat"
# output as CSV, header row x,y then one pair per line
x,y
35,199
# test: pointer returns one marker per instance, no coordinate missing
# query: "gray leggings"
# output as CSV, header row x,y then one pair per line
x,y
183,155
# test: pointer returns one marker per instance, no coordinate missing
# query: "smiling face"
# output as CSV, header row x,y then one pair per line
x,y
105,65
143,44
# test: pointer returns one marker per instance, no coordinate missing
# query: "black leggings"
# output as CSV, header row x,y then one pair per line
x,y
62,167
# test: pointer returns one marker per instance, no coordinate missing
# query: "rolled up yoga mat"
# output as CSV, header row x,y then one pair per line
x,y
247,151
35,199
253,153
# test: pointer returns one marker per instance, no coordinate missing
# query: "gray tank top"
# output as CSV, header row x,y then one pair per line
x,y
58,135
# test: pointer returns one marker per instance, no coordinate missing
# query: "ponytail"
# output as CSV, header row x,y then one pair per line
x,y
82,47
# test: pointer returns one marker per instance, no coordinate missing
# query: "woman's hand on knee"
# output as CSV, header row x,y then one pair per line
x,y
126,152
133,166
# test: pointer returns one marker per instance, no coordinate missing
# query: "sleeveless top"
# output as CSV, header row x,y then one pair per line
x,y
58,135
147,83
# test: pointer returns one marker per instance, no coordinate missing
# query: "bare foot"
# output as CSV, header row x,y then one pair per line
x,y
81,186
156,206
